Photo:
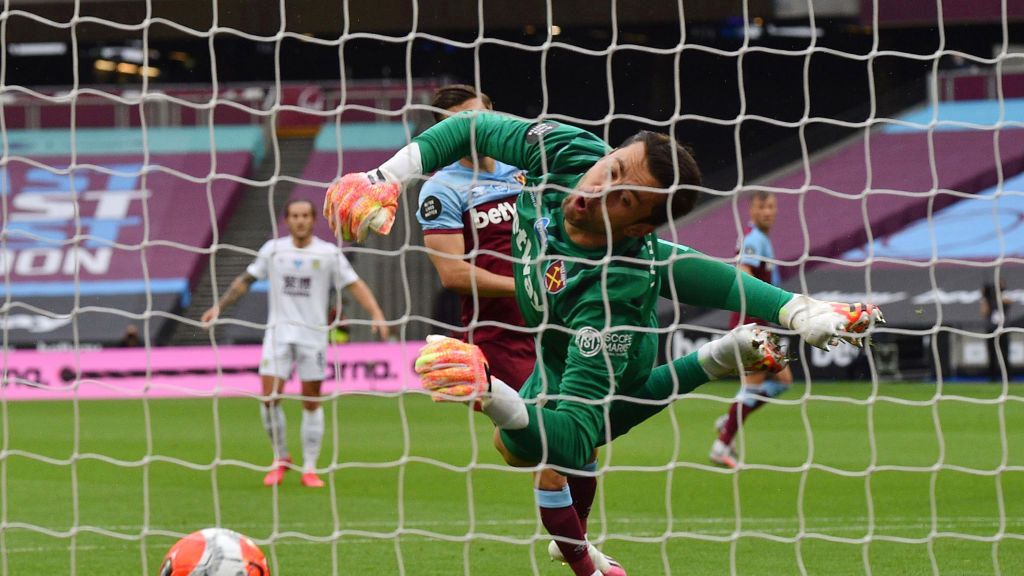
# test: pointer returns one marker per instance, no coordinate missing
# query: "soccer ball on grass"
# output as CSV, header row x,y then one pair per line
x,y
214,552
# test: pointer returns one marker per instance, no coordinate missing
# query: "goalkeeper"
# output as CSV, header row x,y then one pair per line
x,y
588,270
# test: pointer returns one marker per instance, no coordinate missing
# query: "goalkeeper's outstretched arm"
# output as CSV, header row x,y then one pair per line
x,y
360,202
692,278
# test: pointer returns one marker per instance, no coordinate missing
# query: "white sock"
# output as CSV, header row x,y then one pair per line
x,y
312,437
718,357
504,407
275,425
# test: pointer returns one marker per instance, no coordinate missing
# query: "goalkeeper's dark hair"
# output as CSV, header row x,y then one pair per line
x,y
454,94
674,168
294,201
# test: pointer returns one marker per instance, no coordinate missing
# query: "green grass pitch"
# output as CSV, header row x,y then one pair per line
x,y
417,489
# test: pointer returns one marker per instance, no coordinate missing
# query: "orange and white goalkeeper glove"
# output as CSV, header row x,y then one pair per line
x,y
360,202
452,370
825,324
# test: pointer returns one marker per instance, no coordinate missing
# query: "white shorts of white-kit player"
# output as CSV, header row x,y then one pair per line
x,y
279,358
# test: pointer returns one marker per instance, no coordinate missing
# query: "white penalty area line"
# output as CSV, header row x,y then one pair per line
x,y
723,526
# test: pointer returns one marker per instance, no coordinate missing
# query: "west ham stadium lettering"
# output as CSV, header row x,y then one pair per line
x,y
50,209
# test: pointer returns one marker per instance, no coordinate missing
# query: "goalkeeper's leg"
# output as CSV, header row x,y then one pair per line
x,y
743,348
583,489
561,519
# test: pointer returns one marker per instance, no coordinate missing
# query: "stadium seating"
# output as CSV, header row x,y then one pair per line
x,y
835,209
969,235
140,231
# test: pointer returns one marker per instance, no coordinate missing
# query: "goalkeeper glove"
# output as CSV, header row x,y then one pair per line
x,y
366,201
452,370
360,202
824,324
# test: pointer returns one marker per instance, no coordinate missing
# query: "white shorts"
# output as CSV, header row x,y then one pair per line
x,y
309,361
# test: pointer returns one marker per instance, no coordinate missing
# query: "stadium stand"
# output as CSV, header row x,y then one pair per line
x,y
835,206
969,235
139,232
366,145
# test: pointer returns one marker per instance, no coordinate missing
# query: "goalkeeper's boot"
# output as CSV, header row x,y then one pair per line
x,y
758,349
723,454
311,480
825,324
607,565
276,474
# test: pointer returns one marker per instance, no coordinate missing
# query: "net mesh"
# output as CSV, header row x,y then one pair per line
x,y
850,475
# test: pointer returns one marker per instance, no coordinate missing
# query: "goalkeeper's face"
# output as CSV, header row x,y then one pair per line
x,y
610,198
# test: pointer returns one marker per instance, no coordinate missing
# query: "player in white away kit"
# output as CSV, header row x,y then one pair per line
x,y
756,255
301,269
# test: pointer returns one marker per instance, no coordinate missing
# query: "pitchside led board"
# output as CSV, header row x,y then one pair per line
x,y
118,236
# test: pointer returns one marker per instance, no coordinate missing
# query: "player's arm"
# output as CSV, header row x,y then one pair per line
x,y
363,201
440,216
537,147
750,254
692,278
447,254
364,296
257,270
239,287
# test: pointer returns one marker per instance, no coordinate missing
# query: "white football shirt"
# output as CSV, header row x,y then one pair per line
x,y
300,280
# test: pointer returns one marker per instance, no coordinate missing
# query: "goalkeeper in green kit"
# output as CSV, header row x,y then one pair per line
x,y
589,271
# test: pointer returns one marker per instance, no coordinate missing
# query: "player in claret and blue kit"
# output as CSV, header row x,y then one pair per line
x,y
589,271
756,258
467,208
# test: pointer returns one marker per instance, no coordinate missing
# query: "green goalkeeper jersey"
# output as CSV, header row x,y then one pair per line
x,y
595,308
587,307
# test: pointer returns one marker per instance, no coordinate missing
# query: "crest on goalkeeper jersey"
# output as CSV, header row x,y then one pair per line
x,y
554,277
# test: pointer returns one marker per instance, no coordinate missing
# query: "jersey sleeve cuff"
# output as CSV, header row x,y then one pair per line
x,y
431,231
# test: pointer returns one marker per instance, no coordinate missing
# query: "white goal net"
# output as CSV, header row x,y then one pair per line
x,y
149,148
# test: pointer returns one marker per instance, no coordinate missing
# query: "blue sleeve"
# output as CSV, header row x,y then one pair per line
x,y
440,207
753,251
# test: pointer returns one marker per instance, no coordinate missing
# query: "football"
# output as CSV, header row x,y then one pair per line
x,y
214,552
